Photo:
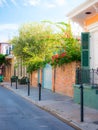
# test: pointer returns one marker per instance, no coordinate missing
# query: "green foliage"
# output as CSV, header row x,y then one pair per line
x,y
37,43
34,45
68,44
2,59
34,66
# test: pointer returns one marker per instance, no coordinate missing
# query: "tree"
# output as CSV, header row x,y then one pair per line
x,y
34,45
37,43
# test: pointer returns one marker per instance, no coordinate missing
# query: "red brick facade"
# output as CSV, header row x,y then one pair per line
x,y
34,79
63,78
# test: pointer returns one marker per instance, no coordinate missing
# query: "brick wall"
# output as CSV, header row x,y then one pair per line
x,y
34,79
64,79
9,70
7,74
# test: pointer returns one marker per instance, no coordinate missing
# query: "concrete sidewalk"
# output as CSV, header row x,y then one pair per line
x,y
61,106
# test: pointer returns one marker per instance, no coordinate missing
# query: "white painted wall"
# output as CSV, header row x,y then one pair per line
x,y
4,47
93,29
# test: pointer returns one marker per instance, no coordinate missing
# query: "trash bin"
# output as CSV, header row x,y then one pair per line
x,y
23,80
13,78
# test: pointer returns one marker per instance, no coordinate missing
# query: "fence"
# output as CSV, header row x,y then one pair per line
x,y
87,76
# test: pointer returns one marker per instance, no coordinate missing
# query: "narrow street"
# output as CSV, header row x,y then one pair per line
x,y
18,114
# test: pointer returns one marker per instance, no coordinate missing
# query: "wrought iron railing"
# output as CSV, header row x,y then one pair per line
x,y
87,76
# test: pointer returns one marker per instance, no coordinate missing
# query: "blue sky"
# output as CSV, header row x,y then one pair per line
x,y
13,13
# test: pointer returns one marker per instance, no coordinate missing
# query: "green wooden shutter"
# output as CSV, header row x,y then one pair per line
x,y
85,50
85,57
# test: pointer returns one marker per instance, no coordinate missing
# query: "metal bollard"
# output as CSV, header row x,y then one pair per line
x,y
16,82
39,85
11,82
28,83
28,88
82,103
93,78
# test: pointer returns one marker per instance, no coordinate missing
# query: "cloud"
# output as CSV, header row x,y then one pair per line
x,y
54,3
2,2
49,5
31,2
60,2
14,2
8,27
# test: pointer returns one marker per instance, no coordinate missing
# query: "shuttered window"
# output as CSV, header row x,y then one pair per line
x,y
85,58
85,50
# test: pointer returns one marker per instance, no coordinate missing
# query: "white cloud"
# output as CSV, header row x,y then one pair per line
x,y
14,2
31,2
54,3
5,2
60,2
2,2
49,5
8,27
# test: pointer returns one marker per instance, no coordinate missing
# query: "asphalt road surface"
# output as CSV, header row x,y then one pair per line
x,y
17,113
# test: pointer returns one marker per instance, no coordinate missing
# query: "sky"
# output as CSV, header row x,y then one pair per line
x,y
14,13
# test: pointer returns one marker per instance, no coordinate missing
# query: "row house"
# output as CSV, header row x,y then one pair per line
x,y
86,15
7,70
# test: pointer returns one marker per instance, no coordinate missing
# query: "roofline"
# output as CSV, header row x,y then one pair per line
x,y
81,8
4,43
